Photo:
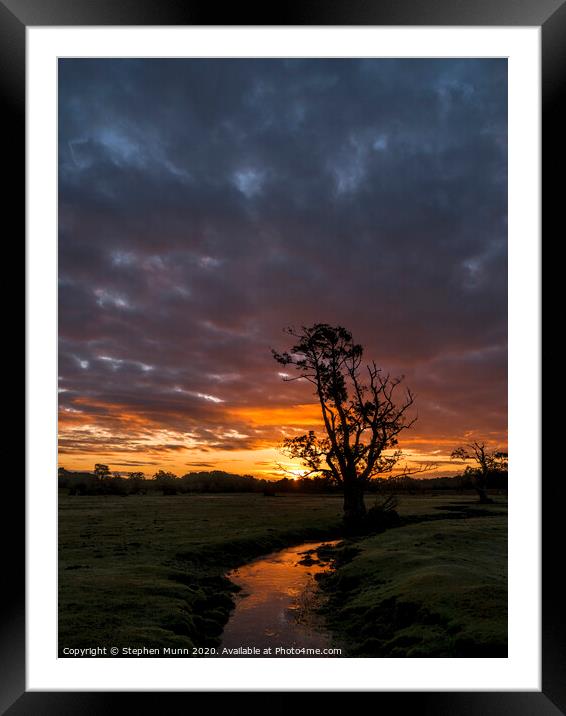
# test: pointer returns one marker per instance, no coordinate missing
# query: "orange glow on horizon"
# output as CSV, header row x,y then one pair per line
x,y
129,441
303,415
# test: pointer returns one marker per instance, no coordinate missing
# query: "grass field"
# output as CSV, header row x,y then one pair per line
x,y
148,571
435,588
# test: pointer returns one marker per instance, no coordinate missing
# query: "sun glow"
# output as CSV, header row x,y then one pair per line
x,y
244,440
305,415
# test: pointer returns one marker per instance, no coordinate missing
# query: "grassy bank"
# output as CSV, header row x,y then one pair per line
x,y
148,571
436,588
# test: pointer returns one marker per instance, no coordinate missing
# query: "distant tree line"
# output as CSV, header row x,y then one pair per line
x,y
102,481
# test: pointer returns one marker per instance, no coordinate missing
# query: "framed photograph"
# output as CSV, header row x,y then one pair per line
x,y
283,354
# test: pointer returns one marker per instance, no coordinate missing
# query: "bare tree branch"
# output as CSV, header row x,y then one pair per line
x,y
362,420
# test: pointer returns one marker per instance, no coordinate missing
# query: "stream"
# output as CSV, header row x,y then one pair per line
x,y
276,606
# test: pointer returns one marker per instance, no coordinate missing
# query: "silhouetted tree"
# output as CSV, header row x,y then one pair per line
x,y
167,481
136,476
101,471
487,463
361,416
136,483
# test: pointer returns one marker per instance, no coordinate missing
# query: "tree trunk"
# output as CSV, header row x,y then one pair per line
x,y
484,499
354,505
482,491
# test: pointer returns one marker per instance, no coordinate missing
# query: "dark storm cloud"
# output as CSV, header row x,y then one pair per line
x,y
206,204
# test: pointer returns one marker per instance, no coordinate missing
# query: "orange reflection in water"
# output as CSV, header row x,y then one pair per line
x,y
276,605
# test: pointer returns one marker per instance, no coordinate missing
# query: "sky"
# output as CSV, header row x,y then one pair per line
x,y
205,205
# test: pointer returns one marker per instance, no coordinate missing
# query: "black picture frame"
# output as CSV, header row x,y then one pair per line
x,y
15,16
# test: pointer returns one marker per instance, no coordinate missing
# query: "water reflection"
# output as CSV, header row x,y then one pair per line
x,y
276,607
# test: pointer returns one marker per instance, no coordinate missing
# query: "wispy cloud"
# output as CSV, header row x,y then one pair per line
x,y
206,204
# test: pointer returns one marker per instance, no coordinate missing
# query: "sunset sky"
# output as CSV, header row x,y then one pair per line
x,y
204,205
